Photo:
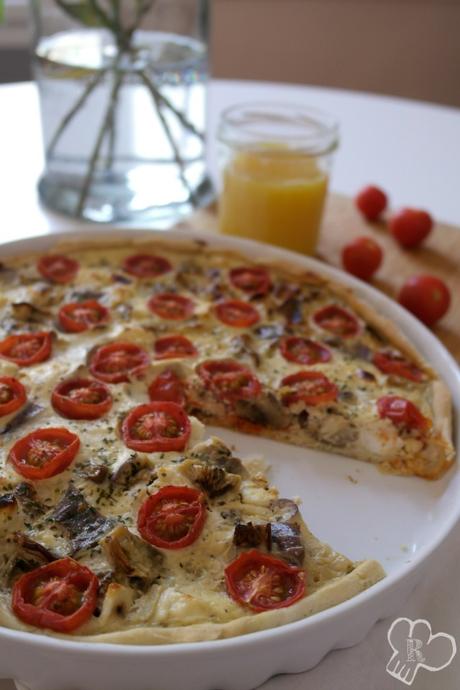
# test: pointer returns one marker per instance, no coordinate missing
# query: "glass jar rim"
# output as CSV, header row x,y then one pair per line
x,y
300,128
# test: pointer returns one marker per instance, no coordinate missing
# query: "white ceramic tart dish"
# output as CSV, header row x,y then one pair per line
x,y
403,539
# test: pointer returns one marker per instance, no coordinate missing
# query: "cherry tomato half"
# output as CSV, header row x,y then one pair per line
x,y
304,351
394,363
362,257
27,348
402,413
60,596
262,582
427,297
81,399
371,201
146,265
229,380
173,517
336,320
167,387
119,362
12,395
170,346
58,268
156,427
168,305
254,280
410,227
310,387
236,313
76,317
44,452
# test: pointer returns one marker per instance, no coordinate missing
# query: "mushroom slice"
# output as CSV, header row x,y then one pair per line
x,y
131,471
132,558
264,411
25,311
214,480
215,452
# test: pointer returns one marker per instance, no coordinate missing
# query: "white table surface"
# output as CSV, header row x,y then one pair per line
x,y
413,151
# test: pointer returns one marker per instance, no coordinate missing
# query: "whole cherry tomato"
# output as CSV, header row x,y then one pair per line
x,y
427,297
411,226
371,201
362,257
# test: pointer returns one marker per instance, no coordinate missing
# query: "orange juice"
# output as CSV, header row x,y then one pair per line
x,y
274,195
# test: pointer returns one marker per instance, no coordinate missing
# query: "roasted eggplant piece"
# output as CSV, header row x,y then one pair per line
x,y
249,535
29,411
286,542
282,539
84,524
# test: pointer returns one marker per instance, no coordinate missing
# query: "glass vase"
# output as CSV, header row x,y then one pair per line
x,y
122,87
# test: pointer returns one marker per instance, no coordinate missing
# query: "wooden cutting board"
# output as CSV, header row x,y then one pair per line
x,y
440,256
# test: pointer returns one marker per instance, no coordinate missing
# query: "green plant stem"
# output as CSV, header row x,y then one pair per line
x,y
176,154
162,99
118,79
111,142
73,111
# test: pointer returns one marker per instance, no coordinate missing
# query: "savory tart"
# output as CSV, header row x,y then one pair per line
x,y
158,546
265,349
120,524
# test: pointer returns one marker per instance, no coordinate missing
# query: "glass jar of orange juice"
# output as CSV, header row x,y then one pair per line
x,y
275,162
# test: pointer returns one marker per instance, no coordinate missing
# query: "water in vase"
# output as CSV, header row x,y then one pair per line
x,y
124,135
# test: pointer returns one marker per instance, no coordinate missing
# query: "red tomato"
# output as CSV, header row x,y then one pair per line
x,y
394,363
146,265
170,346
337,320
156,427
371,201
310,387
168,305
173,517
44,453
12,395
58,268
229,379
81,399
236,313
76,317
26,349
262,582
362,257
402,413
427,297
60,596
119,362
303,350
167,387
410,227
254,280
